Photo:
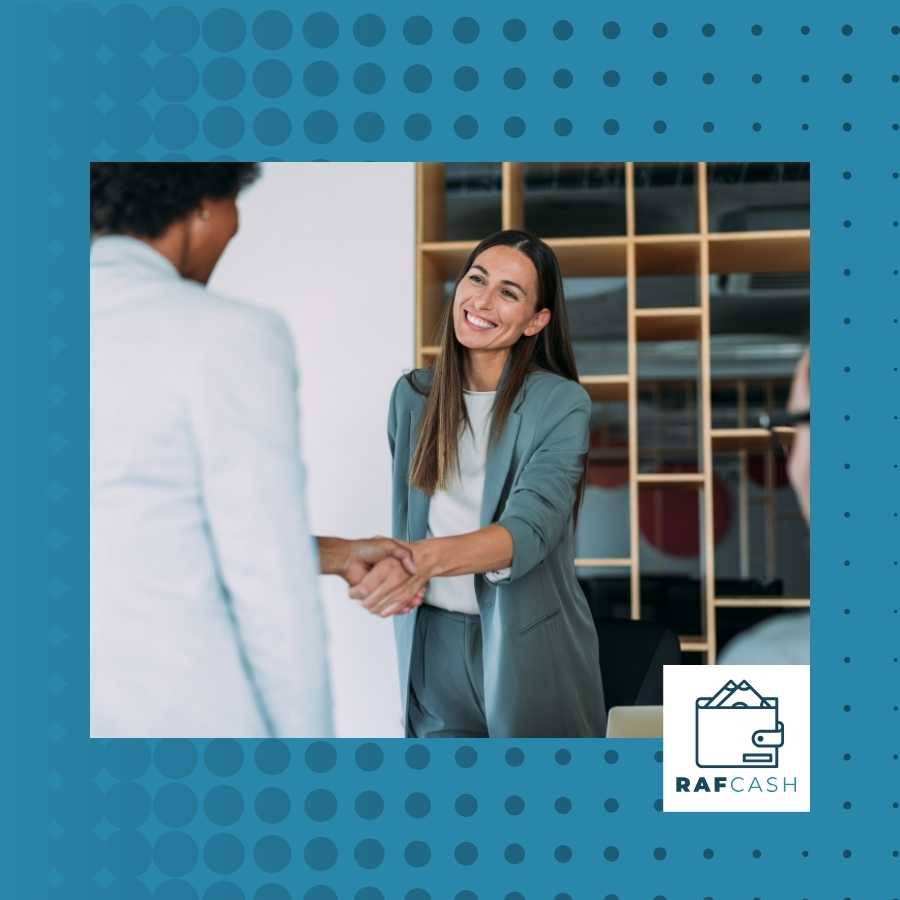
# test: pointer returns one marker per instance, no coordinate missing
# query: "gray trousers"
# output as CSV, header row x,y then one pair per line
x,y
446,676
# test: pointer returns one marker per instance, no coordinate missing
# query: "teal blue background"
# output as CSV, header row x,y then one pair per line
x,y
90,819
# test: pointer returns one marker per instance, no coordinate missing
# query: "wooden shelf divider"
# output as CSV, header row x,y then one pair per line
x,y
611,562
731,440
693,643
671,479
673,323
759,251
763,602
513,200
606,387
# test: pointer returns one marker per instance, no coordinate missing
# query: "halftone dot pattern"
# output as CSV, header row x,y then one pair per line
x,y
417,805
369,805
320,30
272,79
272,757
417,127
514,78
175,29
417,30
417,79
563,78
273,805
514,30
369,78
228,819
223,805
223,853
320,78
417,756
175,805
272,127
369,30
223,126
466,78
369,757
175,79
224,757
272,30
224,78
224,30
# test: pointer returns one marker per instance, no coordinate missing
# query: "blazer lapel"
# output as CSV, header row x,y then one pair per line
x,y
497,467
418,502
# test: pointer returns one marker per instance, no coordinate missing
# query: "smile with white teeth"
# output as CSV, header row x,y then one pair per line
x,y
477,321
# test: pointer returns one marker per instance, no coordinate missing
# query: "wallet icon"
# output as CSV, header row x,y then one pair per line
x,y
738,728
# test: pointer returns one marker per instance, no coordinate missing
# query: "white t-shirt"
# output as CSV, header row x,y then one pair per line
x,y
457,510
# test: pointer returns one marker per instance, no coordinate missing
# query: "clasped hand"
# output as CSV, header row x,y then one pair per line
x,y
383,576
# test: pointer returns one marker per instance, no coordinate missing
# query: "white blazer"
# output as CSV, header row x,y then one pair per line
x,y
205,611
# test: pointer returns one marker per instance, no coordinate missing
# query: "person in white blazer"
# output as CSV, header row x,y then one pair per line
x,y
205,611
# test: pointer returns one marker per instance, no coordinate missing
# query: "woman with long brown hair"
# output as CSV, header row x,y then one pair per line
x,y
489,451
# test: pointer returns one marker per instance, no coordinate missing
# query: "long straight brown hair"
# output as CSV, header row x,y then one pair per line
x,y
436,459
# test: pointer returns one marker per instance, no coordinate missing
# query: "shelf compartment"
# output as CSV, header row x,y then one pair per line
x,y
759,251
447,256
590,256
667,254
666,198
755,440
676,323
574,198
473,200
667,273
669,422
755,196
605,387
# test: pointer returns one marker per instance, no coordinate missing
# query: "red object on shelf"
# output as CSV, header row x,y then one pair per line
x,y
607,473
669,518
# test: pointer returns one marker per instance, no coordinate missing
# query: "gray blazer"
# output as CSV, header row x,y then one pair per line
x,y
541,659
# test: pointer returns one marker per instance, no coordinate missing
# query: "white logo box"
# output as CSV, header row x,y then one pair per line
x,y
736,739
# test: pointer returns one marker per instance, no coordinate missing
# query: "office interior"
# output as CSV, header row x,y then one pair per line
x,y
687,288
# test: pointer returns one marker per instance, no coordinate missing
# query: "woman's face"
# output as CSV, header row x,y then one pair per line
x,y
495,303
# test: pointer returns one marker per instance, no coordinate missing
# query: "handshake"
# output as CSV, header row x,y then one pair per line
x,y
382,573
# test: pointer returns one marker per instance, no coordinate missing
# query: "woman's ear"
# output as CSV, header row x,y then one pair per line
x,y
538,323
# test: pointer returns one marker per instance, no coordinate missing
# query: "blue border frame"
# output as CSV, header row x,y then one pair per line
x,y
135,819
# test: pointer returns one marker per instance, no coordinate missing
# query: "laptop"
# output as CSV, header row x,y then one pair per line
x,y
635,722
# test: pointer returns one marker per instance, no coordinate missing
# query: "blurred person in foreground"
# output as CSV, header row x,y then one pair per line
x,y
205,611
783,638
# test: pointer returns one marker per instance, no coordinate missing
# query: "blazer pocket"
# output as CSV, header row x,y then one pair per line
x,y
540,621
544,605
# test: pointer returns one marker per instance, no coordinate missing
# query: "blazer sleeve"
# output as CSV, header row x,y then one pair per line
x,y
246,424
539,507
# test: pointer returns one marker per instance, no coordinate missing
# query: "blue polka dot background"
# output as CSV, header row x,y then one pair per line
x,y
242,820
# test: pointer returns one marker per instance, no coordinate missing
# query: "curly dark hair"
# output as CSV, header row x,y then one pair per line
x,y
145,198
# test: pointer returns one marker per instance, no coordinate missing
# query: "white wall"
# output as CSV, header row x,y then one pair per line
x,y
330,246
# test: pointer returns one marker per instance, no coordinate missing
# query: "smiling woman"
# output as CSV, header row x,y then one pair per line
x,y
489,450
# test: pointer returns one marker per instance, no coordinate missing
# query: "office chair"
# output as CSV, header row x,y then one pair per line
x,y
632,656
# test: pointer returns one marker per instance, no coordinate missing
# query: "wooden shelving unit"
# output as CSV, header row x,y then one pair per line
x,y
630,256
